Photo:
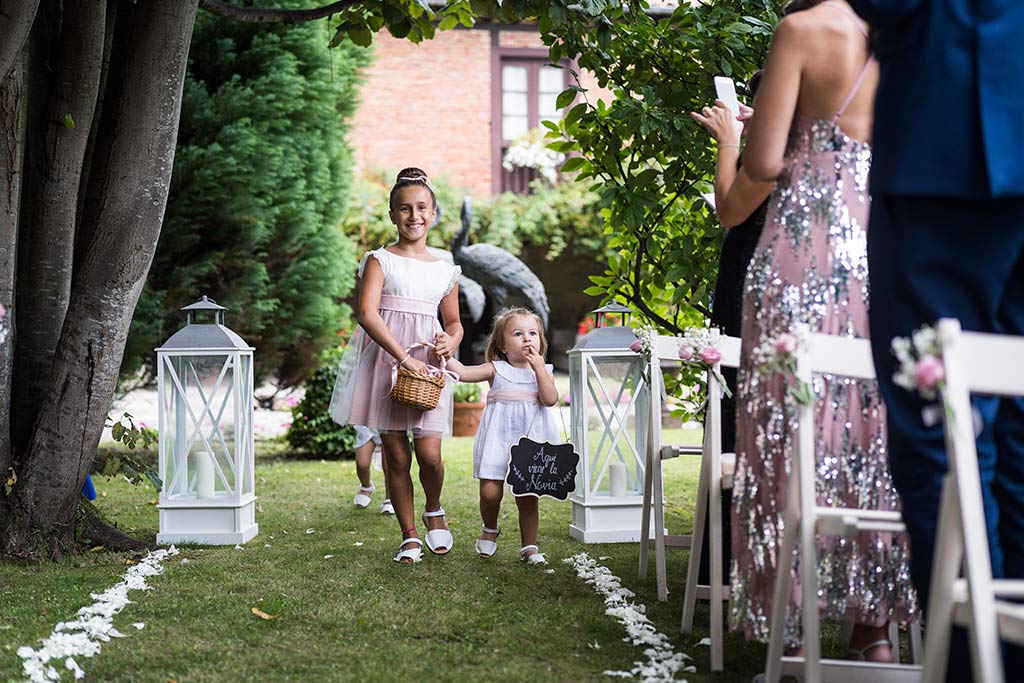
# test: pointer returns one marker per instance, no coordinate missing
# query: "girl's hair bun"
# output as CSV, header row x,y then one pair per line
x,y
412,174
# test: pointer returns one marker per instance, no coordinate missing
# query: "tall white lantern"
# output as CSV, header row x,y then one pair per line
x,y
207,457
609,401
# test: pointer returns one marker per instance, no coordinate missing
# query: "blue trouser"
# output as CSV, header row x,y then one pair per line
x,y
934,257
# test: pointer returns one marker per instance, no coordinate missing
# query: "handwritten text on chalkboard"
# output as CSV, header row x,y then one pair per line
x,y
542,469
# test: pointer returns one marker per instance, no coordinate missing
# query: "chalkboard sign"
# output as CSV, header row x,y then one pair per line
x,y
542,469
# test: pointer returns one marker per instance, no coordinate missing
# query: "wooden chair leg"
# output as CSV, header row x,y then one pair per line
x,y
696,544
657,499
645,522
783,583
945,569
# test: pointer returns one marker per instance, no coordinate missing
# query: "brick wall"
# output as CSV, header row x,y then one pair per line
x,y
428,105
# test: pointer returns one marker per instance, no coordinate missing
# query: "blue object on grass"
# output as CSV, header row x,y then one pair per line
x,y
88,490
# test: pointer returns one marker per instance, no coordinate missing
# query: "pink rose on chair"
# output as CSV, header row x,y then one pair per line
x,y
685,353
636,346
710,355
785,343
928,372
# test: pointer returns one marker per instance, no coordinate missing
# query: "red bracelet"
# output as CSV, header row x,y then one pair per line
x,y
406,531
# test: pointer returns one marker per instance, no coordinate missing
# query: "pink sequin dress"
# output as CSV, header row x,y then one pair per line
x,y
409,302
810,266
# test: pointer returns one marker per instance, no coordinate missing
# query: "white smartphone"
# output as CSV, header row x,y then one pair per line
x,y
725,90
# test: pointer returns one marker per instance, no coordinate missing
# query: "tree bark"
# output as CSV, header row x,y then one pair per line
x,y
16,17
68,75
136,144
12,145
261,15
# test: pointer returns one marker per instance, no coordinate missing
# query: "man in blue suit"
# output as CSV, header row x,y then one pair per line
x,y
947,240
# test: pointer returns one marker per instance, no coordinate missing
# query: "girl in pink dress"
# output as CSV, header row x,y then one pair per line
x,y
401,290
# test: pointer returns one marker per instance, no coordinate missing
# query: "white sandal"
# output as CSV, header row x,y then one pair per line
x,y
362,498
437,538
536,558
485,548
414,554
861,654
386,508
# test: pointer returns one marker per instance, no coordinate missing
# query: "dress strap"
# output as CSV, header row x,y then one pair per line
x,y
853,91
856,19
863,72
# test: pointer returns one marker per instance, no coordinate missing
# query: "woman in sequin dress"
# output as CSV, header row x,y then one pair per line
x,y
810,135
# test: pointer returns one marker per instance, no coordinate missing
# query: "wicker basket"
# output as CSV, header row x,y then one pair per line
x,y
416,390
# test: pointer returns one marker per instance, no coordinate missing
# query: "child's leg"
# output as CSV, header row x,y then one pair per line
x,y
364,454
398,455
491,492
428,457
385,505
529,520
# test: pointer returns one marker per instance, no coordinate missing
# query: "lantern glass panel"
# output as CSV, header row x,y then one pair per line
x,y
202,412
617,403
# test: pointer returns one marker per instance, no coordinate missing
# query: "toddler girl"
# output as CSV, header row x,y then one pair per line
x,y
401,290
366,441
521,387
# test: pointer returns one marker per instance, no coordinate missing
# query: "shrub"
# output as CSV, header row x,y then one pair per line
x,y
466,392
312,432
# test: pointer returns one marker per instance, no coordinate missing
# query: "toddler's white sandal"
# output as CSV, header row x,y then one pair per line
x,y
439,541
413,554
485,548
386,508
362,498
536,558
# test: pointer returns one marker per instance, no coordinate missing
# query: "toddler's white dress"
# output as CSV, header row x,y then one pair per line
x,y
513,410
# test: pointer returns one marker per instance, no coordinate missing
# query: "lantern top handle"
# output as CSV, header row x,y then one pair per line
x,y
205,304
615,308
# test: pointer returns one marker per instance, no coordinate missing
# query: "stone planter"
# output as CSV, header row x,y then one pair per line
x,y
466,418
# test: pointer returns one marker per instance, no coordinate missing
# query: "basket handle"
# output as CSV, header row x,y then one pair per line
x,y
443,370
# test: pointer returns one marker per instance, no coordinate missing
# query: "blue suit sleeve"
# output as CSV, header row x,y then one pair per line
x,y
886,14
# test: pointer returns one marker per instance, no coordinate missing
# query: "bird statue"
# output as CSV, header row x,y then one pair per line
x,y
469,288
498,271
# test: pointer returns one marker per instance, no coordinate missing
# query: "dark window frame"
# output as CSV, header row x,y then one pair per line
x,y
502,180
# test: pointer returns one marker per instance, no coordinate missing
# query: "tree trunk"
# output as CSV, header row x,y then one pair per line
x,y
12,145
122,219
16,18
66,71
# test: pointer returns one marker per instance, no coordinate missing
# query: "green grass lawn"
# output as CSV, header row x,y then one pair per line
x,y
358,616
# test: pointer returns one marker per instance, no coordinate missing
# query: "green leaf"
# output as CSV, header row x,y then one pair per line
x,y
361,36
573,163
68,121
566,97
449,22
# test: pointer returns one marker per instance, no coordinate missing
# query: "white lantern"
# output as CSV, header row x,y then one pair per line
x,y
207,457
609,401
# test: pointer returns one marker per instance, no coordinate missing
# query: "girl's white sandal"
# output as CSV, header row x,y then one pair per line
x,y
485,548
439,541
413,554
386,508
536,558
362,498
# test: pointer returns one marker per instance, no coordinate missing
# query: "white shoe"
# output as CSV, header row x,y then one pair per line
x,y
439,541
413,554
362,498
386,508
485,548
535,558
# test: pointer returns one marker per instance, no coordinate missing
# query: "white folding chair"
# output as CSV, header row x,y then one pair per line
x,y
985,364
709,489
716,474
804,520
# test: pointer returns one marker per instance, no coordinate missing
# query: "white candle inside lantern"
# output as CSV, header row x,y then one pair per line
x,y
204,474
617,479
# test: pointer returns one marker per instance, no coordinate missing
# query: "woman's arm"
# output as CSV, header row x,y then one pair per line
x,y
776,104
447,343
472,373
368,316
736,197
